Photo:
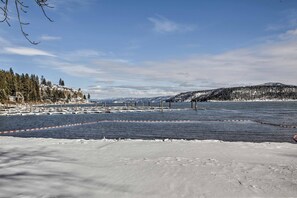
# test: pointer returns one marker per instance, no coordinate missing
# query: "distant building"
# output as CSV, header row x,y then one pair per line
x,y
19,98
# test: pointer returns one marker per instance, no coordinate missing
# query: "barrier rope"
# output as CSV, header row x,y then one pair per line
x,y
134,121
95,122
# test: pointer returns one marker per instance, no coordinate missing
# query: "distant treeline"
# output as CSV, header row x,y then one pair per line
x,y
27,85
29,88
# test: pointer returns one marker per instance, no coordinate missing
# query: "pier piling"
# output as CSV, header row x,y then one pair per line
x,y
195,105
161,105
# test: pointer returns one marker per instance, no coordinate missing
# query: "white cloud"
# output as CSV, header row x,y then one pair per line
x,y
272,62
287,19
85,53
25,51
4,42
78,70
164,25
50,38
71,69
70,5
275,61
119,92
290,34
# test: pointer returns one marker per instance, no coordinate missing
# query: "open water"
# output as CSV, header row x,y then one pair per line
x,y
227,121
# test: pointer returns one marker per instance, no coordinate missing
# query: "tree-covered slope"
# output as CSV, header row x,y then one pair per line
x,y
268,91
25,88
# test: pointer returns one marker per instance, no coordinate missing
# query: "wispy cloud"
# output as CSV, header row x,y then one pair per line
x,y
70,5
269,62
287,20
4,42
87,53
26,51
118,92
116,77
164,25
290,34
50,38
71,69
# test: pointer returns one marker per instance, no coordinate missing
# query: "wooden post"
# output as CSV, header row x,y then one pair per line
x,y
192,107
161,104
169,104
196,105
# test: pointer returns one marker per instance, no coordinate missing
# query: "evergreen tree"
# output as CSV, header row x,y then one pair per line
x,y
3,82
61,82
11,81
3,96
43,81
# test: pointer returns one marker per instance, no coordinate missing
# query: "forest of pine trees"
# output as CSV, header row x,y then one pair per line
x,y
30,89
12,83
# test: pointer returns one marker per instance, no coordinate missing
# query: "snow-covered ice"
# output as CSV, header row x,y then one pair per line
x,y
32,167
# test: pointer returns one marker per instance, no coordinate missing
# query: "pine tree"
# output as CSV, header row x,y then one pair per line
x,y
61,82
3,96
43,81
3,86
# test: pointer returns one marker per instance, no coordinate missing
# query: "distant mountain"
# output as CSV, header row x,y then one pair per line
x,y
267,91
133,100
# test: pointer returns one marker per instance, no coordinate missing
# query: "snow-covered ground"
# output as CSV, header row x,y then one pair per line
x,y
137,168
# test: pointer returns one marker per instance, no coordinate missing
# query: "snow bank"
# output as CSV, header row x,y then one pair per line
x,y
139,168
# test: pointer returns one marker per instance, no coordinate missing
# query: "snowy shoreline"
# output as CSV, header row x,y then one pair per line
x,y
60,110
37,167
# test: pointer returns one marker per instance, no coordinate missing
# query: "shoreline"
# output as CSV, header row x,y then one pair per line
x,y
102,103
113,140
76,109
145,168
247,101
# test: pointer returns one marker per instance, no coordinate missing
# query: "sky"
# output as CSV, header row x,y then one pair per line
x,y
138,48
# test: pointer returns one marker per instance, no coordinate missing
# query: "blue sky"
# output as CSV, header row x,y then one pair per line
x,y
136,48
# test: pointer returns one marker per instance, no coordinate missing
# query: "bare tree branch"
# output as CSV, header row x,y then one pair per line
x,y
20,7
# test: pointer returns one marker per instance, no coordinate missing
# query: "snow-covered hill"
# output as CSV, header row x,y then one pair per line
x,y
267,91
58,93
